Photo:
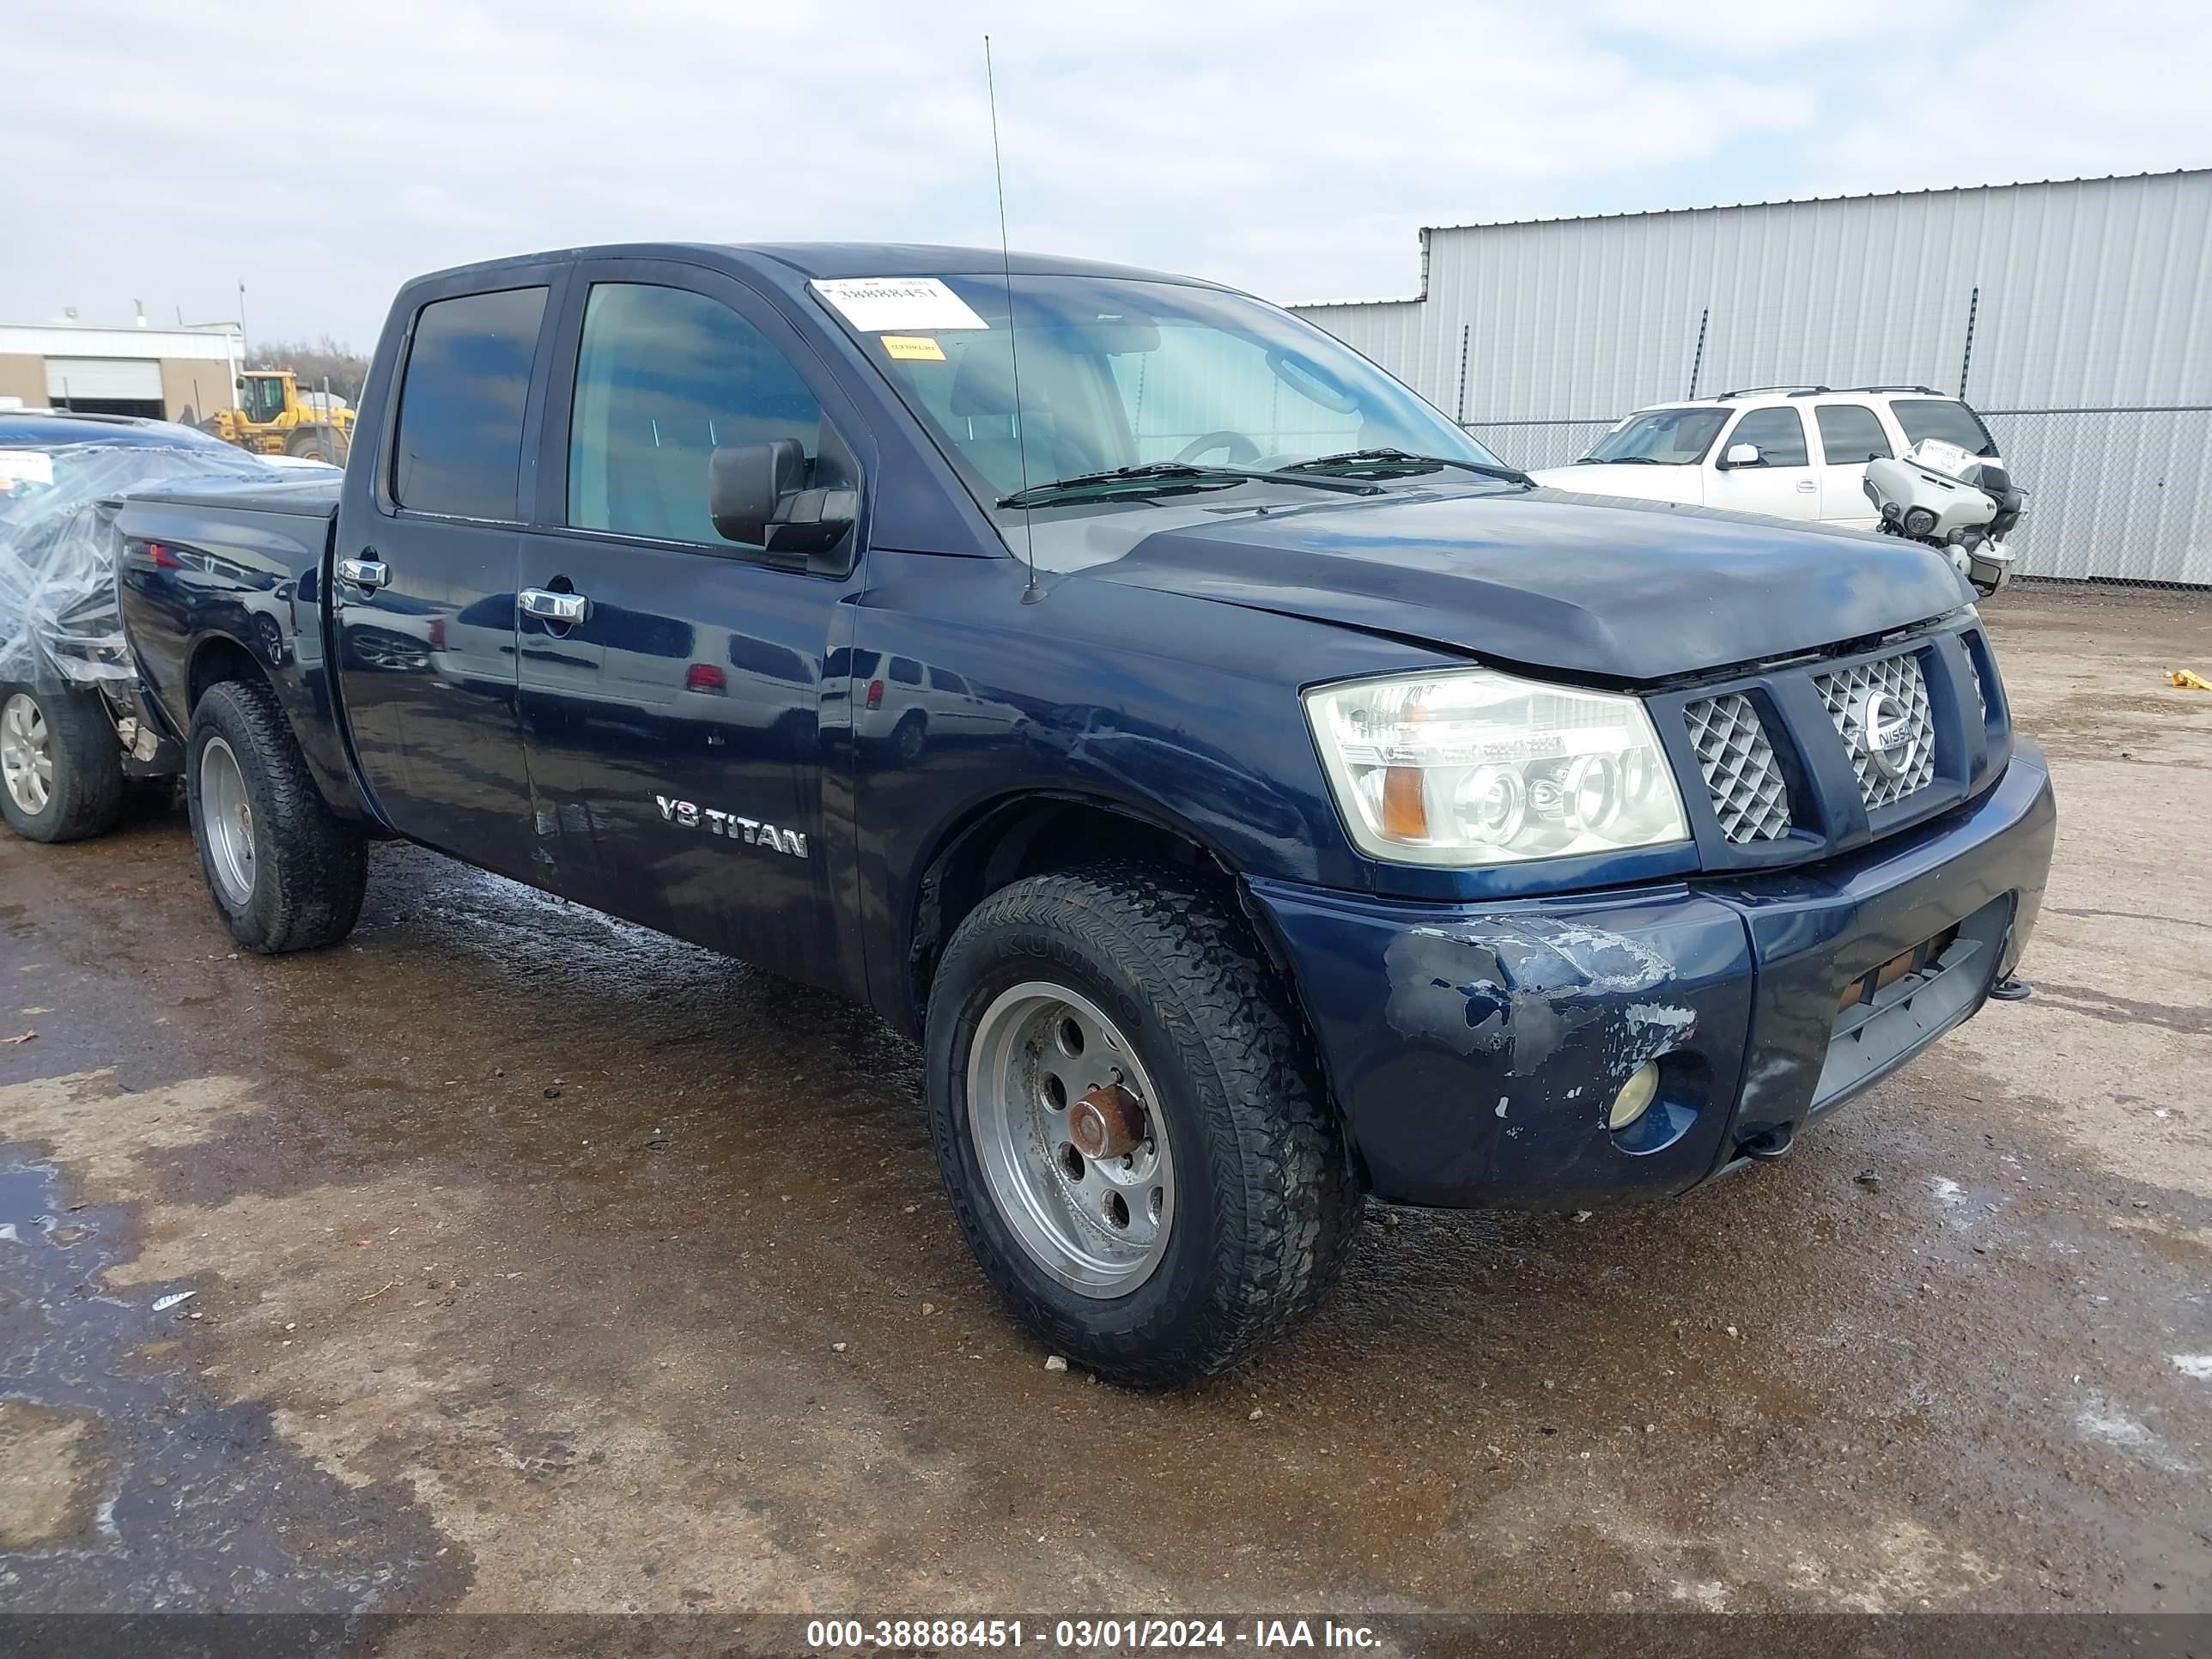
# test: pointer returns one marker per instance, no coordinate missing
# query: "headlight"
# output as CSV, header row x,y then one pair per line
x,y
1474,767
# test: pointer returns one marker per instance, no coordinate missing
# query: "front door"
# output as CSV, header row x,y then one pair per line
x,y
674,728
1780,483
424,602
1851,436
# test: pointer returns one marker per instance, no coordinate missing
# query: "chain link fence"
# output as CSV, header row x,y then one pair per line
x,y
2121,494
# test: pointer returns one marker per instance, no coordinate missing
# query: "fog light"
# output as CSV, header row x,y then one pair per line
x,y
1635,1098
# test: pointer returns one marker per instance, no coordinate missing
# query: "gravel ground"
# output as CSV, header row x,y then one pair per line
x,y
536,1262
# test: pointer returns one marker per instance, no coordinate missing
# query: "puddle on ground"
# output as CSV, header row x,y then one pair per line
x,y
124,1488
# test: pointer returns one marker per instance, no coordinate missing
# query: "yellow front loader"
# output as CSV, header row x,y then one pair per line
x,y
274,417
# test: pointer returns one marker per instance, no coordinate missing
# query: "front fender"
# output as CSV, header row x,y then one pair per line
x,y
1160,707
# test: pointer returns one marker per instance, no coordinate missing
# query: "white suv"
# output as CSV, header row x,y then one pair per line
x,y
1788,452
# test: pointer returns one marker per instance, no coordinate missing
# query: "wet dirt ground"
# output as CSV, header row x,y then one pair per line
x,y
536,1262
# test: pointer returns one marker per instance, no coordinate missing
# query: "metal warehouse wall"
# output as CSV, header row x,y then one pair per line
x,y
2092,295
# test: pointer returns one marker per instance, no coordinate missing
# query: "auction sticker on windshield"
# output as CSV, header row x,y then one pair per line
x,y
913,348
879,305
25,467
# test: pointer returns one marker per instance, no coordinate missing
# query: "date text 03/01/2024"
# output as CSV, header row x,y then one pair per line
x,y
1262,1635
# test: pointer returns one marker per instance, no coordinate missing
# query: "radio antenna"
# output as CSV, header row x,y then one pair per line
x,y
1032,592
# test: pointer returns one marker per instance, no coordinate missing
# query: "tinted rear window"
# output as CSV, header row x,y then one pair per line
x,y
1850,435
645,632
774,661
1946,419
459,442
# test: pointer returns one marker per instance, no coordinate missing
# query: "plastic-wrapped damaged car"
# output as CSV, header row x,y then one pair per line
x,y
69,734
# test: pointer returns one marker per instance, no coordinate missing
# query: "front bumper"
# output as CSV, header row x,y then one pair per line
x,y
1473,1049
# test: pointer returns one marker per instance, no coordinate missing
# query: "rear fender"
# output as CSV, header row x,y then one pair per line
x,y
214,593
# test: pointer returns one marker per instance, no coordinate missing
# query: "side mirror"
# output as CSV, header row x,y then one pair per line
x,y
754,496
1740,455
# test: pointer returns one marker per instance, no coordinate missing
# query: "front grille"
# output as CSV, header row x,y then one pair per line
x,y
1750,796
1911,754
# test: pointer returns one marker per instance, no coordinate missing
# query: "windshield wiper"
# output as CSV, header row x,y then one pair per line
x,y
1402,461
1619,460
1176,474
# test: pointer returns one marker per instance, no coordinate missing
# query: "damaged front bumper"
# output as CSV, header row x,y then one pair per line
x,y
1473,1049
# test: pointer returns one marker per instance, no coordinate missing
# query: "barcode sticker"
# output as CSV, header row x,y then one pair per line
x,y
880,304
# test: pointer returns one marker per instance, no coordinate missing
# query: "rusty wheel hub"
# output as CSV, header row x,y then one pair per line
x,y
1107,1122
1072,1151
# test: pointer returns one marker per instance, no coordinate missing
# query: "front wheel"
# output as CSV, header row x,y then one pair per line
x,y
61,764
1128,1127
284,873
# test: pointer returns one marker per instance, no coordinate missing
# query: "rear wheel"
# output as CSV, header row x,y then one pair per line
x,y
284,873
61,766
1129,1128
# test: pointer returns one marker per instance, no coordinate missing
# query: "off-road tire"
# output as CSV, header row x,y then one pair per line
x,y
1269,1204
85,794
310,869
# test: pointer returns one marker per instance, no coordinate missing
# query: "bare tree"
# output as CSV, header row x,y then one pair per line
x,y
346,368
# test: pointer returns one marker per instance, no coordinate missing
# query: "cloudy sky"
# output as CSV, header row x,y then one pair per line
x,y
166,150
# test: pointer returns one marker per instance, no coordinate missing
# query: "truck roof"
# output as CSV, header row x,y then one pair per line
x,y
810,260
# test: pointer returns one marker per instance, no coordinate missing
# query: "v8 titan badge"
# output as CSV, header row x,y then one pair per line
x,y
715,822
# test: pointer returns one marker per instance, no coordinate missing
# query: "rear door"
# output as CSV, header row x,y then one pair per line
x,y
1780,483
424,594
675,732
1851,436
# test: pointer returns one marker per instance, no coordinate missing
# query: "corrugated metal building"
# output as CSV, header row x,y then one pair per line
x,y
2077,315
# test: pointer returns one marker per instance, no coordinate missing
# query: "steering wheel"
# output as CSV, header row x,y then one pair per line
x,y
1242,451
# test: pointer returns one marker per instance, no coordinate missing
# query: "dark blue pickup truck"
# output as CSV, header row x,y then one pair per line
x,y
1253,794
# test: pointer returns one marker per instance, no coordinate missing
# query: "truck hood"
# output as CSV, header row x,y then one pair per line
x,y
1629,591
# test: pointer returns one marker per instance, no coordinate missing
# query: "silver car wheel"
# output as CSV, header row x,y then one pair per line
x,y
226,820
27,757
1067,1131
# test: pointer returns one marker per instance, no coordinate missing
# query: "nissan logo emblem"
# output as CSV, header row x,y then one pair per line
x,y
1886,734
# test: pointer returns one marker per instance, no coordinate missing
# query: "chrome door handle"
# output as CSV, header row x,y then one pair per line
x,y
548,606
1805,486
365,573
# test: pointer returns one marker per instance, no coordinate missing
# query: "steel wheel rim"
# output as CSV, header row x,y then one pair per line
x,y
1103,1232
226,820
27,755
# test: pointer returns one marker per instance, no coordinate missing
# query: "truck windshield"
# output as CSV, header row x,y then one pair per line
x,y
1119,373
1659,437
